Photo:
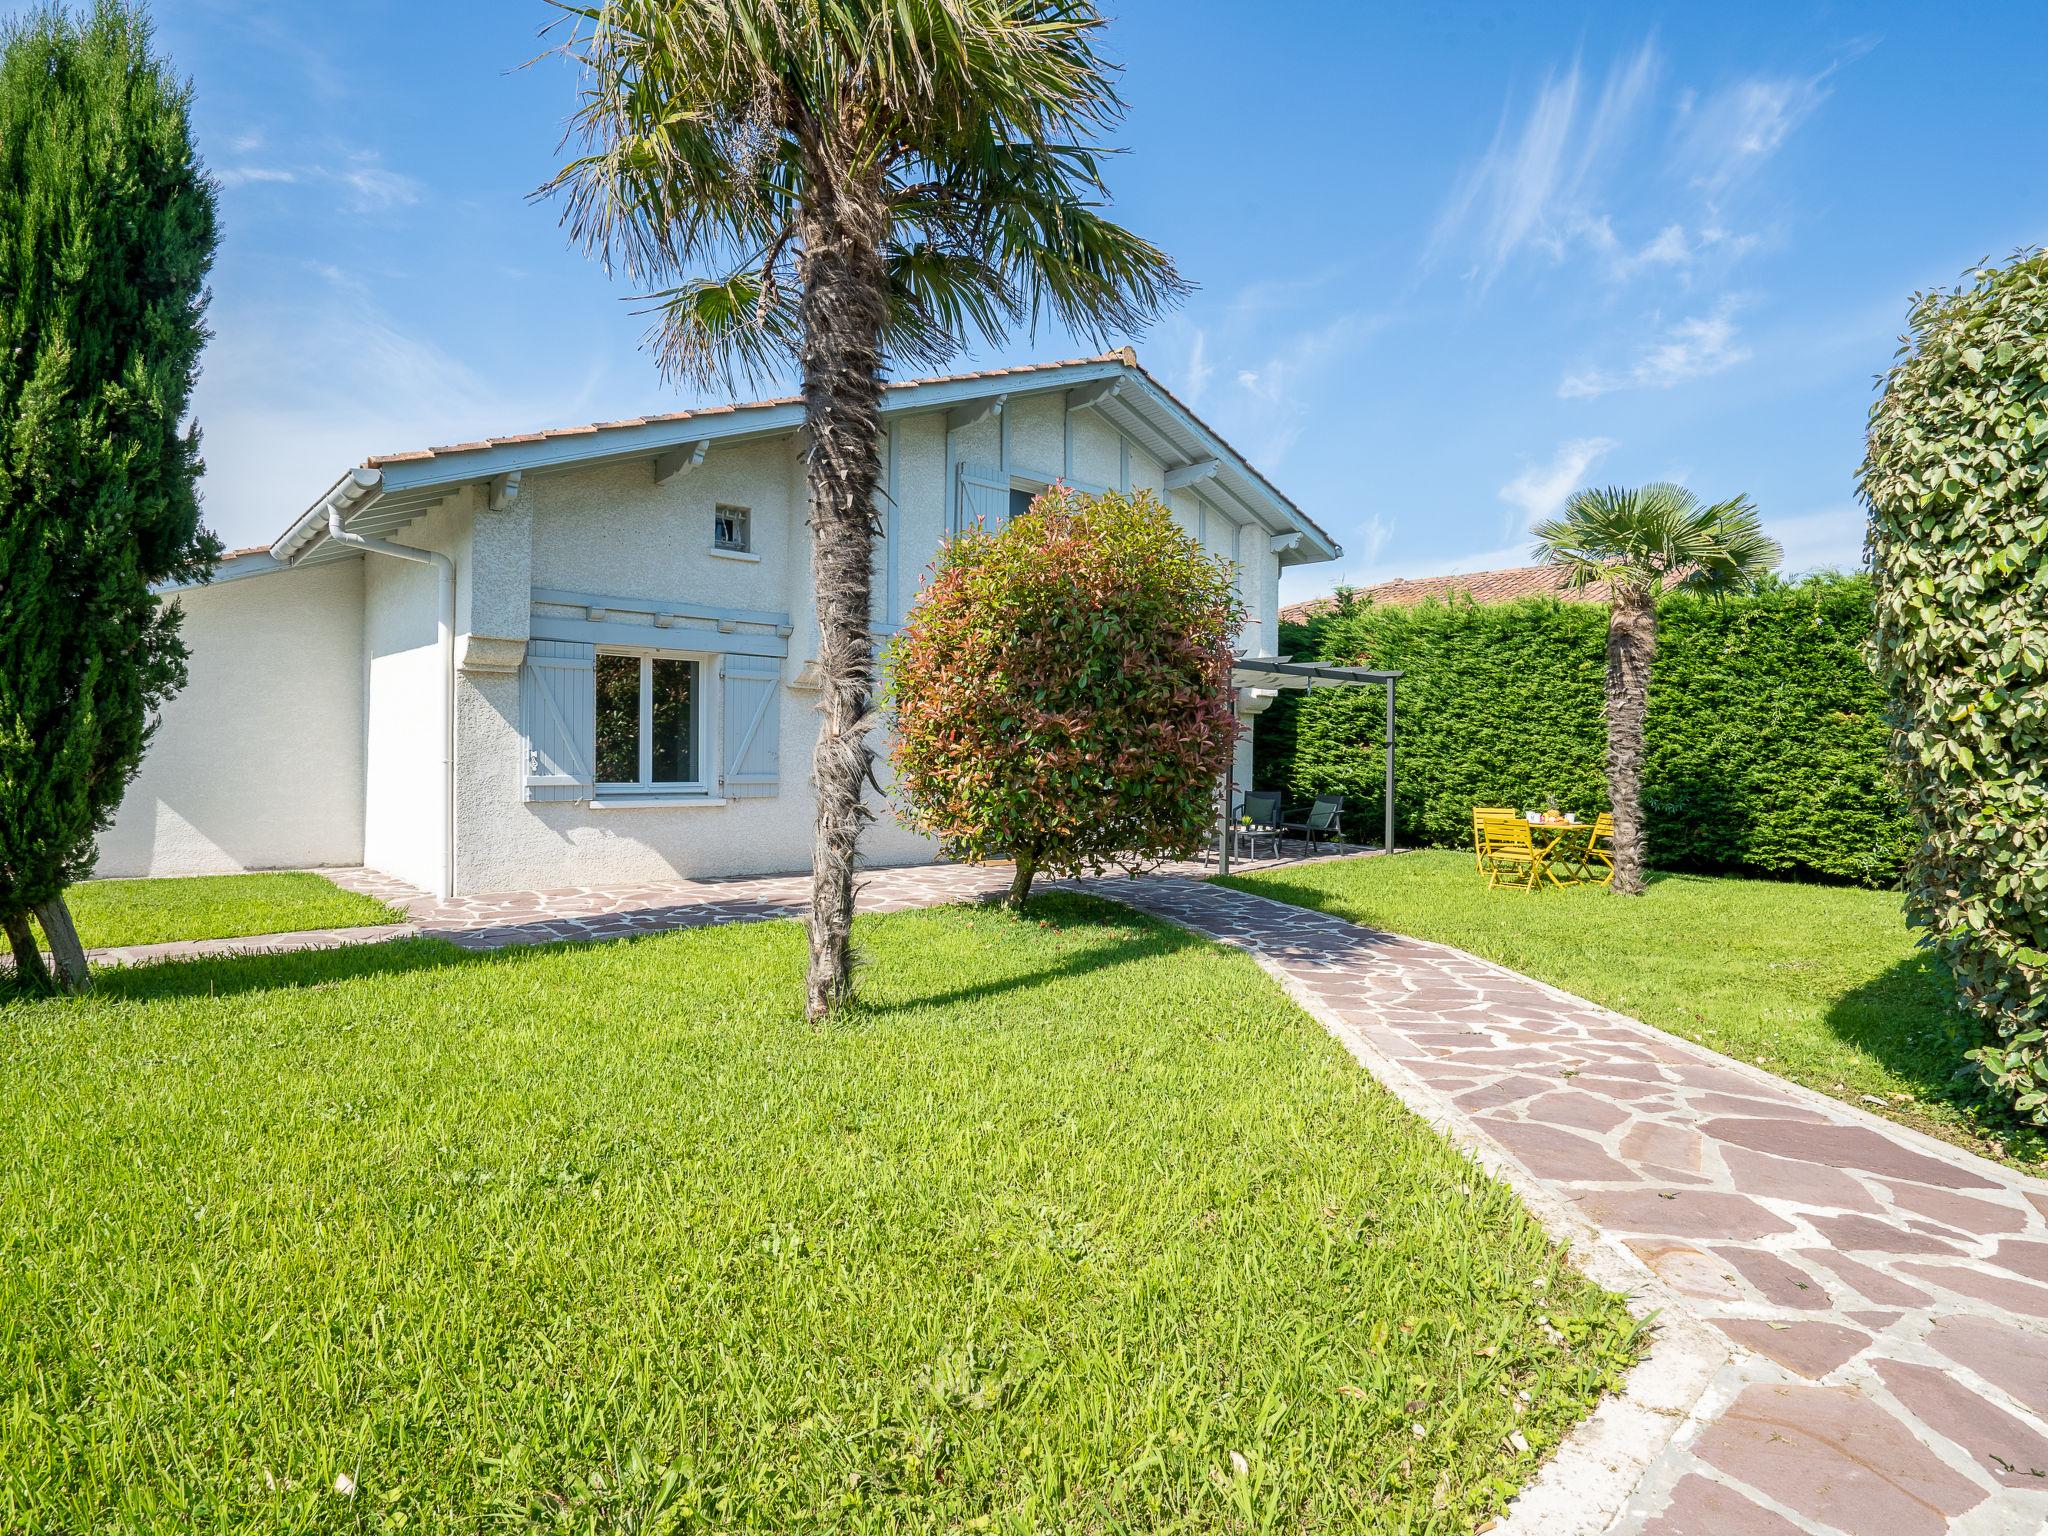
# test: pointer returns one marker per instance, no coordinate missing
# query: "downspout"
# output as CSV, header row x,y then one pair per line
x,y
360,483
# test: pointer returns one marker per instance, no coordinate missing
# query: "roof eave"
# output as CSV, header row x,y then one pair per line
x,y
414,474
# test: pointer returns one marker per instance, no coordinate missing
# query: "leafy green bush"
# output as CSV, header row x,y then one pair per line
x,y
1061,694
1766,729
1955,477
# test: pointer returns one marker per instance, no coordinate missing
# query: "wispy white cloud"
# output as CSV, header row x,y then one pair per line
x,y
1616,178
1534,185
376,187
1668,248
1671,248
1364,542
1261,365
1279,390
1194,375
368,186
1693,348
290,395
1539,491
245,175
1726,135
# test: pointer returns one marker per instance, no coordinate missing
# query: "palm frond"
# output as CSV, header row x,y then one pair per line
x,y
709,131
1740,553
713,329
1637,538
938,298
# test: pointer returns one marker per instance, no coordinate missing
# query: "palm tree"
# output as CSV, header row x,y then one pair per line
x,y
839,184
1636,540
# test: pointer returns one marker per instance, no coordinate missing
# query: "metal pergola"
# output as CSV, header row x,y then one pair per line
x,y
1282,675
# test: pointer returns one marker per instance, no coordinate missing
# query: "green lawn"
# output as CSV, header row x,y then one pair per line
x,y
1820,984
110,913
1076,1224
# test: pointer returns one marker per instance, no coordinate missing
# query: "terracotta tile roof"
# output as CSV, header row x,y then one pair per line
x,y
1480,586
378,461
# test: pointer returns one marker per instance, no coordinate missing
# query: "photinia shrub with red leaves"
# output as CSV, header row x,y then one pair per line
x,y
1060,693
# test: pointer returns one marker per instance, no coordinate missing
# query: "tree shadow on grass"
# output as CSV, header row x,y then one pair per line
x,y
1905,1017
1114,935
1118,935
234,975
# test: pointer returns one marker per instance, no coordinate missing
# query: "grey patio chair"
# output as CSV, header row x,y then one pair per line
x,y
1325,819
1258,817
1260,809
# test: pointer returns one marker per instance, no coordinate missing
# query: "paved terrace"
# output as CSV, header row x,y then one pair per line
x,y
1853,1332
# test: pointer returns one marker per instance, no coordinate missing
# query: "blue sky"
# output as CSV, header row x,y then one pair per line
x,y
1453,260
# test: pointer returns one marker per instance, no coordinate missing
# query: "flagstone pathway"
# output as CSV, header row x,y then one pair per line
x,y
1884,1296
1855,1336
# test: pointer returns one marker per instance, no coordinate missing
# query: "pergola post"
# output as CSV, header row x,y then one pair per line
x,y
1389,843
1223,820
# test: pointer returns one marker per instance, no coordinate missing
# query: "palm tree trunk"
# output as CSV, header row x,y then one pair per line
x,y
844,307
1631,647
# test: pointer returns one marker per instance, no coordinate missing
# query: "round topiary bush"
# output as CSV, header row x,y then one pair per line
x,y
1061,692
1955,479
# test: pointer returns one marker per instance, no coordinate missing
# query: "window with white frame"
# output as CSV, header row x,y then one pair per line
x,y
649,722
732,529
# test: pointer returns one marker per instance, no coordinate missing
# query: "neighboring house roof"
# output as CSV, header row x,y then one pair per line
x,y
390,490
1480,586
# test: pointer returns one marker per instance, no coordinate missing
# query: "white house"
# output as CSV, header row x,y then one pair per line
x,y
585,657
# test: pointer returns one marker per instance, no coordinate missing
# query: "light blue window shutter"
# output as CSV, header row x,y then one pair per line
x,y
750,724
984,497
558,718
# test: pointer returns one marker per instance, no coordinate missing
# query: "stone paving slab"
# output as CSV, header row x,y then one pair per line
x,y
1853,1316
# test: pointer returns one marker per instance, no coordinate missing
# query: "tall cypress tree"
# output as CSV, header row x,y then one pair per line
x,y
107,230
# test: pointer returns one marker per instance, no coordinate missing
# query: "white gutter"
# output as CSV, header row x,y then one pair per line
x,y
362,485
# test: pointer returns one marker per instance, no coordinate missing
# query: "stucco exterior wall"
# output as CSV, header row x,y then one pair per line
x,y
258,762
1098,459
921,503
1037,437
404,794
611,532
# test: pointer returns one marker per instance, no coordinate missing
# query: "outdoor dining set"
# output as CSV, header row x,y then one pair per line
x,y
1518,849
1524,849
1261,818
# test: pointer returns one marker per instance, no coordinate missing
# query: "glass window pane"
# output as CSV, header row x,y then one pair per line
x,y
1020,502
675,722
618,719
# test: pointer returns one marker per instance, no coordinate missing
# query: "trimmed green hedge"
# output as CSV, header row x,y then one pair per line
x,y
1768,739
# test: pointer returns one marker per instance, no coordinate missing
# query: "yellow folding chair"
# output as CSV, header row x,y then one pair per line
x,y
1600,846
1512,853
1481,814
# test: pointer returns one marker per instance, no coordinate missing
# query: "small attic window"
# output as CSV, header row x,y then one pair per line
x,y
732,528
